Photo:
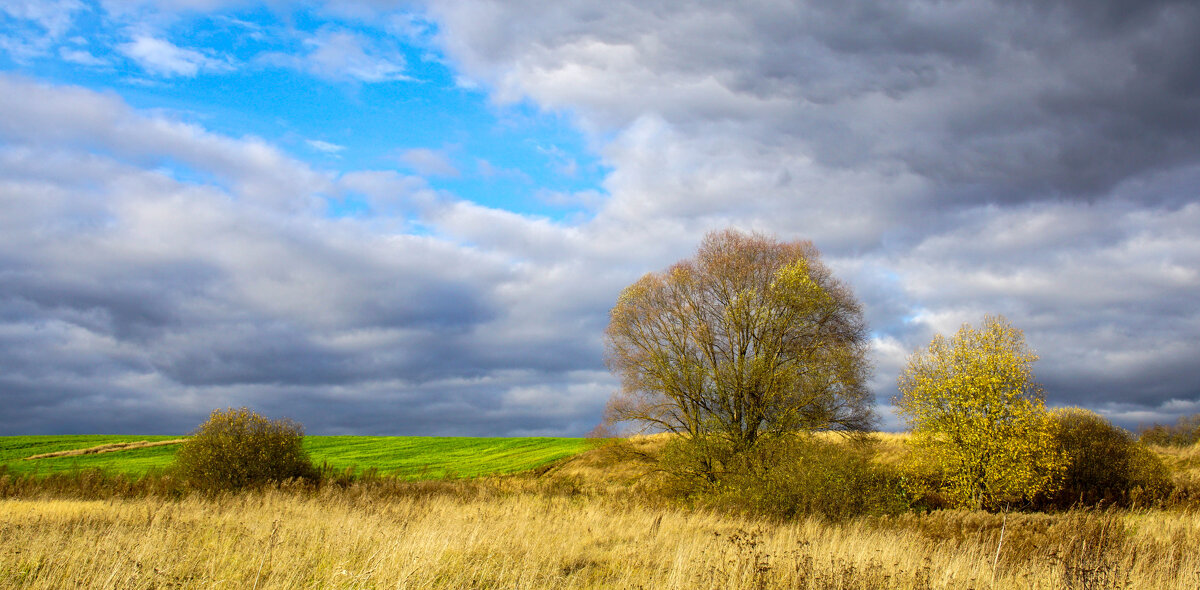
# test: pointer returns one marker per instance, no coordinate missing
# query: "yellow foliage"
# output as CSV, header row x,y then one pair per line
x,y
976,413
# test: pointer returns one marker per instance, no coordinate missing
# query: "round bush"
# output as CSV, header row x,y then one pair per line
x,y
237,448
1105,465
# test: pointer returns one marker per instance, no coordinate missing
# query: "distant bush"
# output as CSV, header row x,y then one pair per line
x,y
1185,433
1105,465
792,477
238,448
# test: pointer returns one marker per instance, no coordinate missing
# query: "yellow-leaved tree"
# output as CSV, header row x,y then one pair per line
x,y
976,412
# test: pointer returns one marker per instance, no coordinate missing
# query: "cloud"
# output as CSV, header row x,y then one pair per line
x,y
136,300
563,164
1031,115
54,17
31,28
324,146
161,57
489,170
1102,291
389,193
340,55
43,116
81,57
587,199
427,162
951,160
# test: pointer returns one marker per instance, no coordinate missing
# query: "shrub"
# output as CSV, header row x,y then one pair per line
x,y
1105,465
792,477
1184,433
238,448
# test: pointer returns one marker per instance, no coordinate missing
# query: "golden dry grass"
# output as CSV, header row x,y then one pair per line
x,y
506,534
594,521
1180,459
1184,463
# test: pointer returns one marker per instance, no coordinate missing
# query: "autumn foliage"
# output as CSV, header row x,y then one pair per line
x,y
750,340
1104,465
977,414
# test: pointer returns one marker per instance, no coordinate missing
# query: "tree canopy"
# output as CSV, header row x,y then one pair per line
x,y
750,338
975,409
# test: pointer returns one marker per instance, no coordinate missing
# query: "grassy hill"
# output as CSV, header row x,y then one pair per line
x,y
407,457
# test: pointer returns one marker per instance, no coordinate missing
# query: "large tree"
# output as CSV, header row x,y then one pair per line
x,y
751,338
977,413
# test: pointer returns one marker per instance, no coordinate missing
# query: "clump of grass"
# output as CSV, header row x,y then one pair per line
x,y
1092,555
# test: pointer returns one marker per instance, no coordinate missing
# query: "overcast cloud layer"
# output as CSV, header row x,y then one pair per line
x,y
1039,160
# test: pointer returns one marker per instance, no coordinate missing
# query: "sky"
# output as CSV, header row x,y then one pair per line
x,y
410,218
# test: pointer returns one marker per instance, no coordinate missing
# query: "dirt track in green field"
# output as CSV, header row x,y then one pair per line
x,y
408,457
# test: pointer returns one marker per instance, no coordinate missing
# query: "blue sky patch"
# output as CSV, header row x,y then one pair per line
x,y
340,94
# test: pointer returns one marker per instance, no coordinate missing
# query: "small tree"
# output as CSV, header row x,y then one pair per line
x,y
239,448
975,410
752,338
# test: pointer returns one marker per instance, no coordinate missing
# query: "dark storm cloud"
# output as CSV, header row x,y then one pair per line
x,y
1071,99
1064,103
502,403
127,308
1031,100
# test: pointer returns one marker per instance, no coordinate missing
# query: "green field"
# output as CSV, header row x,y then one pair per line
x,y
407,457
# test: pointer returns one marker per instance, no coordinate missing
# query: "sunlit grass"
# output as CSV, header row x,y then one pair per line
x,y
510,534
401,456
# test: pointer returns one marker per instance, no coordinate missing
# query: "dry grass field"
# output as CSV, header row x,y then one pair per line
x,y
587,523
481,539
